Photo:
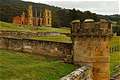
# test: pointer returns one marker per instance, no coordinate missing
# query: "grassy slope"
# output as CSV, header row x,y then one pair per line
x,y
14,27
115,55
59,38
115,60
18,66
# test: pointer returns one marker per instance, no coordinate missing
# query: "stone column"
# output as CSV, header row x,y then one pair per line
x,y
90,48
30,15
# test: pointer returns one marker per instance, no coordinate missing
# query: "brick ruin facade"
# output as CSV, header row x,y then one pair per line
x,y
29,19
90,45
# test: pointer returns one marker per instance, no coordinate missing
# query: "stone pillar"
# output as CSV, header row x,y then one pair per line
x,y
91,49
101,64
47,18
30,15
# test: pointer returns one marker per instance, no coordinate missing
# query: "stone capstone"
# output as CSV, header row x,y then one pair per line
x,y
83,73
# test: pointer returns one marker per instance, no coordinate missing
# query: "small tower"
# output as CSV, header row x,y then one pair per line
x,y
105,25
75,26
90,48
88,24
30,15
47,18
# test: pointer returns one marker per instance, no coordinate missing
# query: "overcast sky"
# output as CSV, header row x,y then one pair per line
x,y
106,7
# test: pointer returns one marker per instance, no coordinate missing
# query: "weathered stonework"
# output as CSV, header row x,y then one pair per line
x,y
83,73
20,34
90,46
47,48
29,19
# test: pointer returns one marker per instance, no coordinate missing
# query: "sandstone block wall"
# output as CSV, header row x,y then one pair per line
x,y
53,49
20,34
94,52
90,45
83,73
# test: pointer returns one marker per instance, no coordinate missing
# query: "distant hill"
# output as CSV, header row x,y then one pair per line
x,y
10,8
115,17
61,17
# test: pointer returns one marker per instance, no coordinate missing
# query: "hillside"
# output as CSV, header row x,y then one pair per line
x,y
115,17
16,7
60,17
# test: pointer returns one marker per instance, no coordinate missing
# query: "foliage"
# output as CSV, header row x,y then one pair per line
x,y
19,66
115,17
116,29
60,17
115,54
115,61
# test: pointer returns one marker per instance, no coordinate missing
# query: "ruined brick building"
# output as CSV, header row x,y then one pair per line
x,y
44,18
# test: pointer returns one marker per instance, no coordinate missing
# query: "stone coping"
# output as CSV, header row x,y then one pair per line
x,y
83,73
65,42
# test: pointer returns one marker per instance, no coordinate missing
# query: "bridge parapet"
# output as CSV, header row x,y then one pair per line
x,y
83,73
91,28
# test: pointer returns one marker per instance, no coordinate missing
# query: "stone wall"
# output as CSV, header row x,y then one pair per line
x,y
20,34
83,73
47,48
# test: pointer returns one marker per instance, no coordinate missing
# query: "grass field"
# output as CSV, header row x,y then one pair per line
x,y
58,38
18,66
15,65
14,27
115,61
115,55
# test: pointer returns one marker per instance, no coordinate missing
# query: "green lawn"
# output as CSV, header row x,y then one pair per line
x,y
58,38
19,66
115,61
14,27
115,54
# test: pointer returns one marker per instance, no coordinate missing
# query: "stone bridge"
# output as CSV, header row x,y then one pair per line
x,y
83,73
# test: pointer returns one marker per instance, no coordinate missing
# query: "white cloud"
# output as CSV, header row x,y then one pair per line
x,y
98,6
119,6
66,0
